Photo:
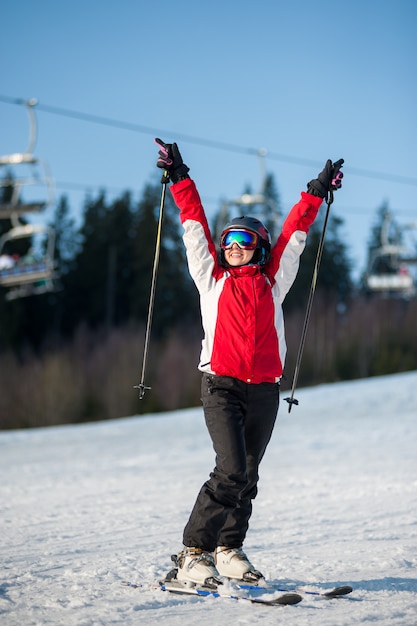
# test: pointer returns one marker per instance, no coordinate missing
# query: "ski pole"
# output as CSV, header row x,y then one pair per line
x,y
142,387
291,400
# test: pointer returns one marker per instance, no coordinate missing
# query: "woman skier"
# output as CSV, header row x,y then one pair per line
x,y
242,359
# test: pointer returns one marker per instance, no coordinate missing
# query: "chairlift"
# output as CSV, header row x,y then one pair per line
x,y
33,272
388,269
26,268
388,273
24,170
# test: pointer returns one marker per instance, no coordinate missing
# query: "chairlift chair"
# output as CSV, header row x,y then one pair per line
x,y
29,274
24,276
24,170
388,273
388,267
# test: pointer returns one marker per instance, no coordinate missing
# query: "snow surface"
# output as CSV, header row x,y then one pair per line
x,y
85,507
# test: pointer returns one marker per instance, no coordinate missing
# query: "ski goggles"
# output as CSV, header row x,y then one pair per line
x,y
245,239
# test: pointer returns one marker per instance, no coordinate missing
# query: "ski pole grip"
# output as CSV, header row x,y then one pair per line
x,y
165,177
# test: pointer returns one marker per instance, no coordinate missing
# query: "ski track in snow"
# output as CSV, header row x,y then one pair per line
x,y
85,507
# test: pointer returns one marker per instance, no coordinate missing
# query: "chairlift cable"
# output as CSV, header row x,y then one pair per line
x,y
215,144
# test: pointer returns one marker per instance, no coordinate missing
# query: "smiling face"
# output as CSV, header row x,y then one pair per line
x,y
236,256
238,246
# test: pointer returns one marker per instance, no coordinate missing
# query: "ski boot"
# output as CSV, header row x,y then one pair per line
x,y
197,565
234,564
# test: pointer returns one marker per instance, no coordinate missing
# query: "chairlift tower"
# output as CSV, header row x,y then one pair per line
x,y
250,202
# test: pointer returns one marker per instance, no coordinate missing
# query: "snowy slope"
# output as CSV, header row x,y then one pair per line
x,y
86,507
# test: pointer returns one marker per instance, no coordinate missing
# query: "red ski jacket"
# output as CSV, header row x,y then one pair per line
x,y
241,306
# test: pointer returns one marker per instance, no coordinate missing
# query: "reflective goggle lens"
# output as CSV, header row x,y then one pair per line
x,y
244,238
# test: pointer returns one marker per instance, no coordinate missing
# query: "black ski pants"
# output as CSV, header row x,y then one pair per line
x,y
240,419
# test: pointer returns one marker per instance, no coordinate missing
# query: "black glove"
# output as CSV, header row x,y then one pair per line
x,y
170,160
329,179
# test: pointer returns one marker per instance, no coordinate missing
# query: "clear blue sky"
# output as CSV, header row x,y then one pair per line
x,y
304,80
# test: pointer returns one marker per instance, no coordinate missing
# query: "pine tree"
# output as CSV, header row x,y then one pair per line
x,y
335,267
175,296
67,238
97,288
271,212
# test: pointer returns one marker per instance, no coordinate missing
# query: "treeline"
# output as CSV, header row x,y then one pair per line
x,y
75,355
105,268
92,377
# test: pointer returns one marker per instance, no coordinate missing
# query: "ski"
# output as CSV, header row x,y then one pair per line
x,y
257,582
188,588
334,592
286,596
176,586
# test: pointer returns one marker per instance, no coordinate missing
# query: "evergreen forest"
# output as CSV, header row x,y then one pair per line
x,y
74,354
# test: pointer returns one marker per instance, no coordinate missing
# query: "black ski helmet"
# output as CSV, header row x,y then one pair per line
x,y
262,252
